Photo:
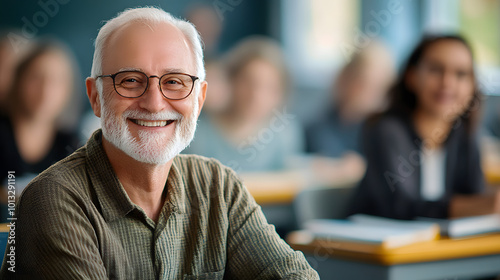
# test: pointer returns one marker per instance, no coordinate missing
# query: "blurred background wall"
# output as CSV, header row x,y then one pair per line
x,y
317,35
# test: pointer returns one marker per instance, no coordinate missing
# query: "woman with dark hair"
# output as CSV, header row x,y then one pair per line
x,y
422,154
32,133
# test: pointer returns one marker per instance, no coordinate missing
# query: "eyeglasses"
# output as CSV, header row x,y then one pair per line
x,y
133,84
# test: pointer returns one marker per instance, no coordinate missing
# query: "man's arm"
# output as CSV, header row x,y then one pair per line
x,y
54,237
254,249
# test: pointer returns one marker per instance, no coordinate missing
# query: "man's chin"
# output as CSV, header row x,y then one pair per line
x,y
151,154
150,158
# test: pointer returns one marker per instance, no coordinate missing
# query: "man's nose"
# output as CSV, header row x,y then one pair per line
x,y
153,99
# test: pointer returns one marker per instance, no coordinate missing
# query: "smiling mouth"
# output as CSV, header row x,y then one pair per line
x,y
152,123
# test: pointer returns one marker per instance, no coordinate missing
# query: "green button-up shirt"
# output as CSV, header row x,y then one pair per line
x,y
75,221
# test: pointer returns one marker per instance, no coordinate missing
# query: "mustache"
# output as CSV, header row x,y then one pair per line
x,y
159,116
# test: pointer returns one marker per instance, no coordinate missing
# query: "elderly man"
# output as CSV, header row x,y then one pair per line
x,y
127,205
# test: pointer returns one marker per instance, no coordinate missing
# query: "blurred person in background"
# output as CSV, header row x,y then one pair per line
x,y
7,65
255,133
32,138
219,92
9,57
422,153
360,90
208,24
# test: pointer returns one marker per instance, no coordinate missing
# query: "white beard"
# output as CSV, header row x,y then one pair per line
x,y
151,147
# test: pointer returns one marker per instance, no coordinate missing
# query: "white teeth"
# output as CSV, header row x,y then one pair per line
x,y
151,123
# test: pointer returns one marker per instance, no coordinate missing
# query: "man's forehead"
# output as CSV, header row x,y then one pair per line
x,y
155,27
140,41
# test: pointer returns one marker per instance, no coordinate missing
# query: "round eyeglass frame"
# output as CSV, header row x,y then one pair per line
x,y
113,76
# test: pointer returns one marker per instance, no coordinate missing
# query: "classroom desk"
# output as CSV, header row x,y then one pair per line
x,y
276,193
490,152
492,173
442,259
4,234
273,187
282,187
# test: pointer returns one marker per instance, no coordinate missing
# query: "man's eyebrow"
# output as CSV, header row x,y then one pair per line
x,y
164,71
130,69
174,70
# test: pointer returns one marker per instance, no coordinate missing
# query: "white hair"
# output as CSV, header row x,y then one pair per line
x,y
147,15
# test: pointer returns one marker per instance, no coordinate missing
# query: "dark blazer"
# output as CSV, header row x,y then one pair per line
x,y
391,185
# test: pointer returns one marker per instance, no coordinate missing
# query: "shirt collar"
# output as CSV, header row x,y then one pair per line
x,y
176,187
113,199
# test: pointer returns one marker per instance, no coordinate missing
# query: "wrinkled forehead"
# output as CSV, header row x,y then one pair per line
x,y
148,46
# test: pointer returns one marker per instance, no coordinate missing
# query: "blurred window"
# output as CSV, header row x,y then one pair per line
x,y
318,37
479,22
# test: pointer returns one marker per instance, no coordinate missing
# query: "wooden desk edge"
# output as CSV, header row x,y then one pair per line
x,y
431,251
4,227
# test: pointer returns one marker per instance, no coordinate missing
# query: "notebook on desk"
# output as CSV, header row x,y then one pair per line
x,y
374,232
468,226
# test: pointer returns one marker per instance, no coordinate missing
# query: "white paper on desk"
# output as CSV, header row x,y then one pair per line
x,y
469,226
474,225
385,234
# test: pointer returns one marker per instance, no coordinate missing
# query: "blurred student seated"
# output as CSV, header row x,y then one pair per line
x,y
10,54
422,153
359,90
208,23
255,132
219,93
32,138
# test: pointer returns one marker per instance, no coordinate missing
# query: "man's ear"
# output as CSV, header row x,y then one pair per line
x,y
202,95
93,95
